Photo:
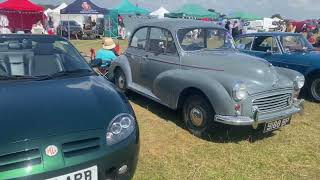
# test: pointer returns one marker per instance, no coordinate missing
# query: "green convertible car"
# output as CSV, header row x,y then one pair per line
x,y
59,119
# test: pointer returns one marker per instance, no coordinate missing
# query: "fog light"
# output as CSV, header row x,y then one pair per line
x,y
123,169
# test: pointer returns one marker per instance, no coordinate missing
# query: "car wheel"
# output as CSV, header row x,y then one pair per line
x,y
120,80
198,115
314,89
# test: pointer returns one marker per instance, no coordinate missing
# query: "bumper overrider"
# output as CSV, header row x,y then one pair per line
x,y
257,118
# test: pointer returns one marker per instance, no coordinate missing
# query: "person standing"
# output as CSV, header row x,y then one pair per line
x,y
121,28
235,29
38,28
290,27
227,26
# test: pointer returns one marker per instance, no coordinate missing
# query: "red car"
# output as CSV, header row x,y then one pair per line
x,y
310,25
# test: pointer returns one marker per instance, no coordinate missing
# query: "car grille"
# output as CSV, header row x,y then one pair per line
x,y
20,159
80,147
273,103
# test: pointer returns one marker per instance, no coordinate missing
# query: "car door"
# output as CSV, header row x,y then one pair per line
x,y
267,47
161,56
136,52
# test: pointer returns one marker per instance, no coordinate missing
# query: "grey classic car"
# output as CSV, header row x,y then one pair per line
x,y
194,67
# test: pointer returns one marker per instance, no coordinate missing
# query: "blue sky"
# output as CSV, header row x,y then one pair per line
x,y
297,9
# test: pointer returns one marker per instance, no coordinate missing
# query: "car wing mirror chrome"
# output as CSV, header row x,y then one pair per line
x,y
269,52
162,47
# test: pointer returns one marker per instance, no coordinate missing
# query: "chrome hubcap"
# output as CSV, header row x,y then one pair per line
x,y
196,117
121,82
315,89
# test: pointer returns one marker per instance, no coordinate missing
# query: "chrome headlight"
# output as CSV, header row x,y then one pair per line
x,y
121,127
239,92
299,82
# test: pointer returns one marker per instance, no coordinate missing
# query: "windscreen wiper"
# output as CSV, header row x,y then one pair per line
x,y
16,77
66,73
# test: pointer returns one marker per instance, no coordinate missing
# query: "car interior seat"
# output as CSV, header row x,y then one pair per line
x,y
45,60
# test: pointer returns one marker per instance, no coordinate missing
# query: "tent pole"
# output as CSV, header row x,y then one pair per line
x,y
21,20
60,25
68,27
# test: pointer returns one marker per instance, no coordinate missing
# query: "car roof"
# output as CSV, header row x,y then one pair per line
x,y
30,36
175,24
270,34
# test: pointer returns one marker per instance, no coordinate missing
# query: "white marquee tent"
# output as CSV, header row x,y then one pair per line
x,y
57,17
159,13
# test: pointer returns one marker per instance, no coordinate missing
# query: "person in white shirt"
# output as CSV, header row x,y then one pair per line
x,y
38,28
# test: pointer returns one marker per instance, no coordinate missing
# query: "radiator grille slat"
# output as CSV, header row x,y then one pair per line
x,y
81,147
273,103
20,159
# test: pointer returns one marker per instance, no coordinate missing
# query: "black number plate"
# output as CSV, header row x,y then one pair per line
x,y
274,125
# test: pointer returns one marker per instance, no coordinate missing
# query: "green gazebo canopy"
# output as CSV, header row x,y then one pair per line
x,y
244,16
193,10
128,8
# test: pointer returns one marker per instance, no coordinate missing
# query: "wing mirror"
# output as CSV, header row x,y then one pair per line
x,y
96,63
269,52
162,46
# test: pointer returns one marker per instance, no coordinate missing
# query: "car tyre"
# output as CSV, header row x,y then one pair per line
x,y
120,80
314,88
198,115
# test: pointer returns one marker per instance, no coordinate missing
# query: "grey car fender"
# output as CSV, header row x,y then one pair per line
x,y
122,63
169,85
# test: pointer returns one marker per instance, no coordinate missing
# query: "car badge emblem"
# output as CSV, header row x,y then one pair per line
x,y
51,150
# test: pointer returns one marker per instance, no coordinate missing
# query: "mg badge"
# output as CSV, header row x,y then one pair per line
x,y
51,150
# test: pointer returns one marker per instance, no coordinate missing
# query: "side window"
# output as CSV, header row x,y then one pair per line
x,y
244,43
192,39
161,40
139,39
265,43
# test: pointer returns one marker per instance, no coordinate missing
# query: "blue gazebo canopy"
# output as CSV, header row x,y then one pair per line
x,y
83,7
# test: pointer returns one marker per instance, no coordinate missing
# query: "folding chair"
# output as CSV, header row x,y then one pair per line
x,y
103,71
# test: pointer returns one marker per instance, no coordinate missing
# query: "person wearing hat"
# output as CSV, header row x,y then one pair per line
x,y
106,53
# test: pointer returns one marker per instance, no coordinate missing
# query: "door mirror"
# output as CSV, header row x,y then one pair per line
x,y
96,63
162,47
269,52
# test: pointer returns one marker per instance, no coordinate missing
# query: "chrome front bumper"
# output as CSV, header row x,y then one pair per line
x,y
257,119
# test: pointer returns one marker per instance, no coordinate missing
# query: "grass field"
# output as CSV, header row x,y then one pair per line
x,y
168,151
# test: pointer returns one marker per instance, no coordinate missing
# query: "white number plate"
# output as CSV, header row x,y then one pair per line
x,y
274,125
85,174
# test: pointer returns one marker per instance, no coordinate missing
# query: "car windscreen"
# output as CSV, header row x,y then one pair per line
x,y
192,39
295,43
36,57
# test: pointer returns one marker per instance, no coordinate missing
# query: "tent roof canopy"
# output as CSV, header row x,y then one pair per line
x,y
126,7
20,5
58,9
159,11
244,16
194,10
83,7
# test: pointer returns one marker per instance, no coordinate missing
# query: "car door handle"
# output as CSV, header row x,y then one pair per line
x,y
145,57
